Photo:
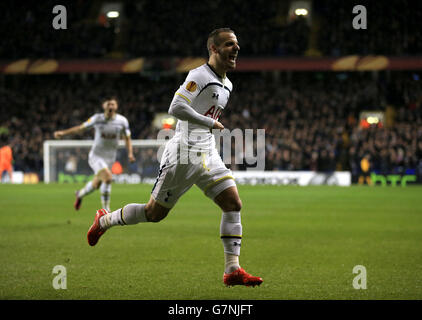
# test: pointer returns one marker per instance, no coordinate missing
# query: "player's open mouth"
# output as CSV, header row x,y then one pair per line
x,y
233,57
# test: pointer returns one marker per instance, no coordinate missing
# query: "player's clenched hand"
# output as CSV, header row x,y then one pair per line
x,y
131,158
218,125
58,134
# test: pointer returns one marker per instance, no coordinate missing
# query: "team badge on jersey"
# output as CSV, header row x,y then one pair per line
x,y
191,86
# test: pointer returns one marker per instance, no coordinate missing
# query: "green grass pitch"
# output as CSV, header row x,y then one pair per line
x,y
303,241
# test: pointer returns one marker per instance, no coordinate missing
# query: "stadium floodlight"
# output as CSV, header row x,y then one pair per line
x,y
301,12
372,120
113,14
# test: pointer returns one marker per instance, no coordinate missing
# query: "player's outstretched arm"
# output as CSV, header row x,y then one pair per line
x,y
60,133
129,148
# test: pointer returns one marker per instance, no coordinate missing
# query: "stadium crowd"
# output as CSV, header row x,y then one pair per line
x,y
311,119
27,32
143,30
313,124
392,29
144,26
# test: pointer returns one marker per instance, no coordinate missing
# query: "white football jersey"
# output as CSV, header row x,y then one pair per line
x,y
107,134
207,93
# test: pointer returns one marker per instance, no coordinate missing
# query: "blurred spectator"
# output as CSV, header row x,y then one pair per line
x,y
365,166
117,168
6,158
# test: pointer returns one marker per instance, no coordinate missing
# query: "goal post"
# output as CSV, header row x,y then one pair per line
x,y
67,160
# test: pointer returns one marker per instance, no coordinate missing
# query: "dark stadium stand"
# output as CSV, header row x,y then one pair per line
x,y
263,29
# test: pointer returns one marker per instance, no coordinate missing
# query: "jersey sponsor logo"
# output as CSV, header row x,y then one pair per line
x,y
213,112
215,95
108,135
191,86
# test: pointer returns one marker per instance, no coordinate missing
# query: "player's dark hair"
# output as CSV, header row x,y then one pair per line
x,y
108,98
214,37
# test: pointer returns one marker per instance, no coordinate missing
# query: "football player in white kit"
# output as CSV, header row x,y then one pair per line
x,y
190,157
109,127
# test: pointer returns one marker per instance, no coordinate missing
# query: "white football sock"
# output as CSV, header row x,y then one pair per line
x,y
87,189
130,214
231,236
105,190
231,262
134,213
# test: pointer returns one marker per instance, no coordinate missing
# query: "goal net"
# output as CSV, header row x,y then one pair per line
x,y
66,161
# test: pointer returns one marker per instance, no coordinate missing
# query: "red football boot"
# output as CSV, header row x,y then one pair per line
x,y
78,201
95,232
241,277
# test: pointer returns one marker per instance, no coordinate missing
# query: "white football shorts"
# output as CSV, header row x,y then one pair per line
x,y
98,163
206,170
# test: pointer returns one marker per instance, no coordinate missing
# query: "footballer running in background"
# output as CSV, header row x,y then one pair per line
x,y
197,104
109,127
